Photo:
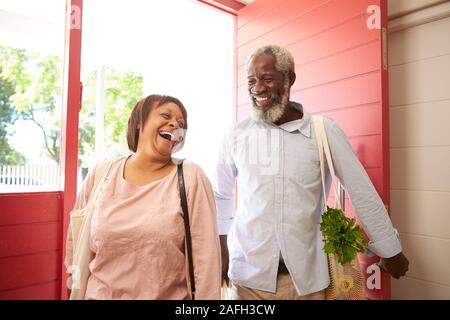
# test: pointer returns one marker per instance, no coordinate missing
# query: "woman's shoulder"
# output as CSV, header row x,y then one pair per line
x,y
192,169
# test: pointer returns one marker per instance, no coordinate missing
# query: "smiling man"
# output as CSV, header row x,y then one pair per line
x,y
276,248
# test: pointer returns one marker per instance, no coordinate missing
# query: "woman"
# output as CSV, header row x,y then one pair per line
x,y
137,230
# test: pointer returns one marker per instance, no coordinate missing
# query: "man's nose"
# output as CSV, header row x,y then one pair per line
x,y
258,87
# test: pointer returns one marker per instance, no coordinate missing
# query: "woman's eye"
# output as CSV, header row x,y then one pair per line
x,y
165,115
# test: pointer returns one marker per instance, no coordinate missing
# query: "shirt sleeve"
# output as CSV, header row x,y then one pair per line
x,y
226,173
205,238
384,239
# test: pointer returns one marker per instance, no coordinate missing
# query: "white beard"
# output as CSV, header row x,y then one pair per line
x,y
275,112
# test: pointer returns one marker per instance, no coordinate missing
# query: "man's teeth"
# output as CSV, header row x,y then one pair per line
x,y
261,98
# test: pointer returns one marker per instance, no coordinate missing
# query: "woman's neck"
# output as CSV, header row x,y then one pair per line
x,y
148,164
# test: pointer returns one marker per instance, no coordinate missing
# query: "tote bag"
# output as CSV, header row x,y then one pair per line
x,y
346,281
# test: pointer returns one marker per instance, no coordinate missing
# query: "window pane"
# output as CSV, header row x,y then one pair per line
x,y
31,69
175,47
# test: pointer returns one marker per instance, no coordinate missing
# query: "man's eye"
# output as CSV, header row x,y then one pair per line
x,y
268,79
251,82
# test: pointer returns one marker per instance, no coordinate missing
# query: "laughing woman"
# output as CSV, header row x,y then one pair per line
x,y
137,233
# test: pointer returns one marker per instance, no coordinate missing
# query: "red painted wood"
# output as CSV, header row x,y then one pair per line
x,y
305,50
29,270
363,92
229,6
358,121
368,150
256,10
339,72
18,208
69,130
29,238
331,15
386,195
45,291
278,16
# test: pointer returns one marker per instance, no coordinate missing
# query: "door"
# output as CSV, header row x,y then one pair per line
x,y
339,48
33,224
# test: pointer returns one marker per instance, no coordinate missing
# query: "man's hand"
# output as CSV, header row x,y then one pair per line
x,y
396,266
225,258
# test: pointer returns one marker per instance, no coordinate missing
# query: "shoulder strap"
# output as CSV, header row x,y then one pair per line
x,y
187,229
323,146
100,176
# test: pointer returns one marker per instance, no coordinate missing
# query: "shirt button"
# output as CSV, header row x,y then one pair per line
x,y
279,226
278,199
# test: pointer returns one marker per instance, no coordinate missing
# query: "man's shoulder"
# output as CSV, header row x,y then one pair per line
x,y
246,123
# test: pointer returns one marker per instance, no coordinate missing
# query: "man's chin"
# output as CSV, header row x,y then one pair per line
x,y
269,114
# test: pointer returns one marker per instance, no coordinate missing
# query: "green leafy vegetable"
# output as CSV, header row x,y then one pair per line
x,y
342,235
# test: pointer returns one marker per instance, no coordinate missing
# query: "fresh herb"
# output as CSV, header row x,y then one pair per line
x,y
342,235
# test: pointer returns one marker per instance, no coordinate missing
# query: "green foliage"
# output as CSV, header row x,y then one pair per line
x,y
123,89
8,156
37,90
31,90
342,235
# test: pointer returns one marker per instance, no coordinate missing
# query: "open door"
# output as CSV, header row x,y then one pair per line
x,y
33,224
341,66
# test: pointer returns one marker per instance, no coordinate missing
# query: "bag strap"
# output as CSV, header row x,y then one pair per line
x,y
187,229
100,177
323,146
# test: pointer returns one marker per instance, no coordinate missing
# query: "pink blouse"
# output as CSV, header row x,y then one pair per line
x,y
138,237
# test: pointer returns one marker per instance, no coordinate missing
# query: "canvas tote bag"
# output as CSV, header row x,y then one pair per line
x,y
80,223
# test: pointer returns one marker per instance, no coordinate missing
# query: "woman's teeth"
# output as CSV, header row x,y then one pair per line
x,y
167,135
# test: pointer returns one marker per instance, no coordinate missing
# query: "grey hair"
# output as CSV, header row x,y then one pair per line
x,y
284,61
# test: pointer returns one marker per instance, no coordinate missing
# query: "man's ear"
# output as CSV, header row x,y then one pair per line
x,y
292,78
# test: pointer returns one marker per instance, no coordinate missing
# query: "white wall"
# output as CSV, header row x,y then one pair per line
x,y
419,88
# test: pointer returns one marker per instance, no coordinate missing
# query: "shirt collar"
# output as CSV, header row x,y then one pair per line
x,y
302,125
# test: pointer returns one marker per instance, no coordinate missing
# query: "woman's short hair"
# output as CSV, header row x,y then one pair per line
x,y
140,114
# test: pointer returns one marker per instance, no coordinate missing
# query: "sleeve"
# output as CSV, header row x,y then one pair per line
x,y
384,239
226,173
205,238
80,203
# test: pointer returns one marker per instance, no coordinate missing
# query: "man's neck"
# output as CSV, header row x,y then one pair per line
x,y
290,114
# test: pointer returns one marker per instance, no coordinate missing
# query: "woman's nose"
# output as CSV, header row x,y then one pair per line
x,y
173,123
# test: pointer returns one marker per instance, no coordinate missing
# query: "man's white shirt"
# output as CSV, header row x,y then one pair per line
x,y
280,202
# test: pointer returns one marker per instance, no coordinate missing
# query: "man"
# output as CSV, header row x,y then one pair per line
x,y
276,247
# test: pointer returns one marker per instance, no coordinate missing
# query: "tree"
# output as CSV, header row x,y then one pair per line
x,y
123,89
35,92
8,156
37,89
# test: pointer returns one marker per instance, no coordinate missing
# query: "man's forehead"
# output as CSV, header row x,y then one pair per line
x,y
261,64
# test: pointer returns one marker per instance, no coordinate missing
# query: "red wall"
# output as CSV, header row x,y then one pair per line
x,y
30,246
339,73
